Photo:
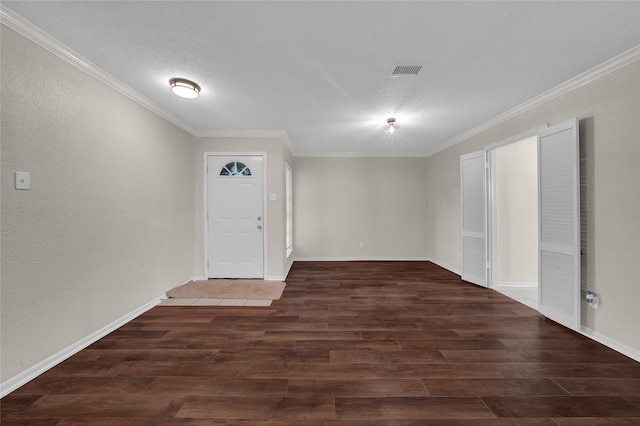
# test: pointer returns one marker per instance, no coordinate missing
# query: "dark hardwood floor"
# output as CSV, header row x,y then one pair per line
x,y
350,343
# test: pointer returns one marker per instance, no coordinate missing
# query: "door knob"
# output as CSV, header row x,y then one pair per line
x,y
259,226
259,217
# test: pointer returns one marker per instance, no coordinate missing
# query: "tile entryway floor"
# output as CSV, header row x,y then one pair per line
x,y
214,302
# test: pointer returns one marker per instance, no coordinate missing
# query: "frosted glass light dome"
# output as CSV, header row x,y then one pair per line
x,y
184,88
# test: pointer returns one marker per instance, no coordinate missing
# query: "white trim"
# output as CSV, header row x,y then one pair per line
x,y
492,214
25,28
611,343
594,335
512,293
265,234
446,266
288,267
31,373
243,134
274,278
375,258
517,138
205,216
510,284
491,222
288,194
363,154
34,34
247,134
266,278
583,79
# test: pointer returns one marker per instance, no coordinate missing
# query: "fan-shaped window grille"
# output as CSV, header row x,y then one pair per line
x,y
235,168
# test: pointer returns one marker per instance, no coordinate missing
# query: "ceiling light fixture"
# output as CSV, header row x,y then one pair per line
x,y
391,126
184,88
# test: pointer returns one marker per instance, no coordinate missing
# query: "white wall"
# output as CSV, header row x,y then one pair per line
x,y
608,109
277,153
108,224
341,202
517,212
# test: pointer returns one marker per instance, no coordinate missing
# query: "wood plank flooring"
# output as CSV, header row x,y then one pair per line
x,y
351,344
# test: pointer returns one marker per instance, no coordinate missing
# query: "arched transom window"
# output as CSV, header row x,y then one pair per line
x,y
235,168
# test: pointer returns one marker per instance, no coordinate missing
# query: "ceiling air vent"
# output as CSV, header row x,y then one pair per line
x,y
403,70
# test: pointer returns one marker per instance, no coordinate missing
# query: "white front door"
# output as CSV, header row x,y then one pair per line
x,y
235,216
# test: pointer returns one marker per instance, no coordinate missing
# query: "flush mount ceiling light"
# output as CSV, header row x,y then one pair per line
x,y
184,88
391,126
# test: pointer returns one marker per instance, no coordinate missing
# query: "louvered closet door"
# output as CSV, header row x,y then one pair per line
x,y
474,238
559,215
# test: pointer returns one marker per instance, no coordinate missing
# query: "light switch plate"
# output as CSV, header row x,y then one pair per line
x,y
23,180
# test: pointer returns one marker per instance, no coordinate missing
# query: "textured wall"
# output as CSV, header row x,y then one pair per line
x,y
608,110
108,224
341,202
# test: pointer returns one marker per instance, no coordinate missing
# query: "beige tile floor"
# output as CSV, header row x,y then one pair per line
x,y
214,302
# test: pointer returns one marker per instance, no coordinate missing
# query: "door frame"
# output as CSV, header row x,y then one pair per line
x,y
573,323
492,225
265,234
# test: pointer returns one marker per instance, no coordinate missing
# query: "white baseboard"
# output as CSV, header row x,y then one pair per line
x,y
390,259
31,373
446,266
363,258
289,265
274,278
266,278
516,284
611,343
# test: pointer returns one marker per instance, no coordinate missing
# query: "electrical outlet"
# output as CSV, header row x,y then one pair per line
x,y
361,244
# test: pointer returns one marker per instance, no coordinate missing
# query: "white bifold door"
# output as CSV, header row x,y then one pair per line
x,y
558,222
474,223
559,218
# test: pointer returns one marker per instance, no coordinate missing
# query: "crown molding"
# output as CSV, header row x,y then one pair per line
x,y
361,154
243,134
23,27
282,134
630,56
15,22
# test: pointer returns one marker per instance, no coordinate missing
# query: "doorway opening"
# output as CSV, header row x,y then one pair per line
x,y
514,216
558,226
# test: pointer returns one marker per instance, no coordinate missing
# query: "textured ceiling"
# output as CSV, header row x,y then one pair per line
x,y
320,70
